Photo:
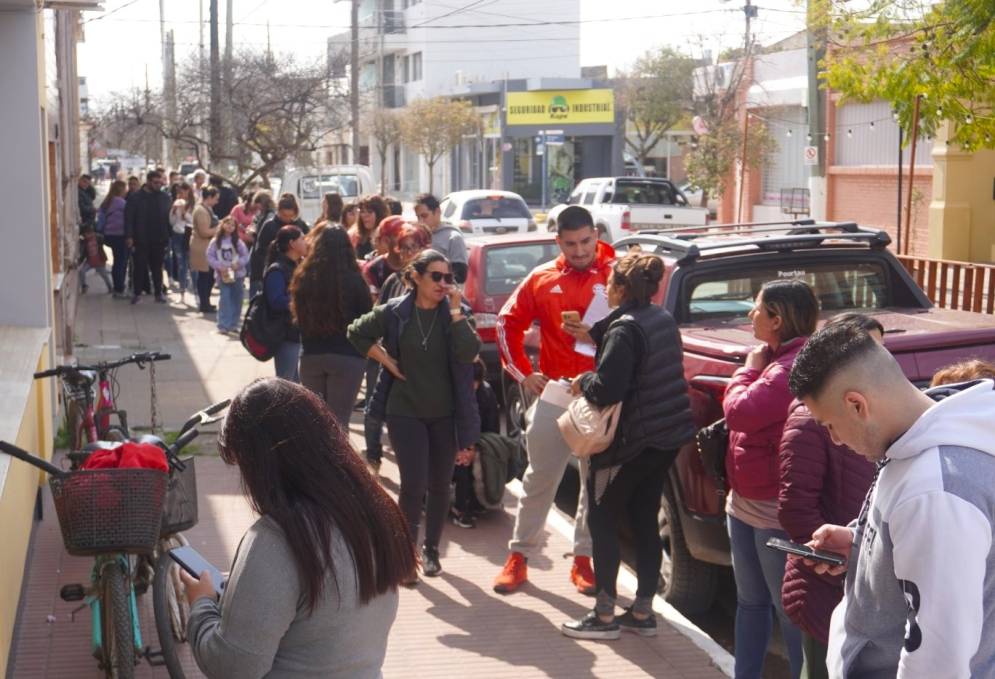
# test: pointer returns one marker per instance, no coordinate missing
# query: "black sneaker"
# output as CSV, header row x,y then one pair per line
x,y
591,627
630,623
462,519
430,565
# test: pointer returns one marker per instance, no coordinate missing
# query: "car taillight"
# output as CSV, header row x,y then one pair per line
x,y
532,225
627,221
466,226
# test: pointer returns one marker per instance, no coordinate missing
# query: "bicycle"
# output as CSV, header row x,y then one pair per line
x,y
90,393
119,516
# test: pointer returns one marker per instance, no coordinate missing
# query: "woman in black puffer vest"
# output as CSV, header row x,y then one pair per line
x,y
640,364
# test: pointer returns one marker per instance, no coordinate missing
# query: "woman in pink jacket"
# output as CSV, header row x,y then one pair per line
x,y
756,407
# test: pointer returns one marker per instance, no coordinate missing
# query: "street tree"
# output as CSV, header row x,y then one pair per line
x,y
718,144
385,124
656,95
280,110
434,126
899,50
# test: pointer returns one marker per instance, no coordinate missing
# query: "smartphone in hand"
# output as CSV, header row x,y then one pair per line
x,y
570,316
194,563
804,551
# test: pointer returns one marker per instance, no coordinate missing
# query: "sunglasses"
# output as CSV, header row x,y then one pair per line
x,y
438,276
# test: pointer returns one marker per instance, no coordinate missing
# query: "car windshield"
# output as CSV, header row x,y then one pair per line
x,y
839,286
505,267
495,207
315,186
642,193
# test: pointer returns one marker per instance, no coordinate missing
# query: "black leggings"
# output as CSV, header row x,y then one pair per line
x,y
205,283
425,451
636,489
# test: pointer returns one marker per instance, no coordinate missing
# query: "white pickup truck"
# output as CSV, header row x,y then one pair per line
x,y
623,205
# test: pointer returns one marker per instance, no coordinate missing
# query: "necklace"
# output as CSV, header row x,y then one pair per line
x,y
425,335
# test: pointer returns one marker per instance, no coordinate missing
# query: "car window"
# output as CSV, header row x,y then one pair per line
x,y
839,286
496,207
505,267
642,193
448,209
574,198
315,186
589,196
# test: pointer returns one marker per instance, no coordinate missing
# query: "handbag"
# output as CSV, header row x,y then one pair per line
x,y
587,429
713,444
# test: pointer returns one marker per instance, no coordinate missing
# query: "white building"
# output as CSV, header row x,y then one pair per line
x,y
413,49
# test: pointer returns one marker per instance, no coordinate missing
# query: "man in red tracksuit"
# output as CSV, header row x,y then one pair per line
x,y
568,283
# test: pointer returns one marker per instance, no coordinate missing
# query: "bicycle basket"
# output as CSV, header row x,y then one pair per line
x,y
179,513
110,510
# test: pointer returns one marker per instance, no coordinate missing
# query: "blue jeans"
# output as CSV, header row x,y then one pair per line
x,y
759,572
230,304
179,260
119,268
287,360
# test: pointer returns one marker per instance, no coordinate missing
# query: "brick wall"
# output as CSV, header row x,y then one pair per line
x,y
868,196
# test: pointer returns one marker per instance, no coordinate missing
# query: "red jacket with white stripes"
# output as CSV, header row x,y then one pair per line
x,y
547,291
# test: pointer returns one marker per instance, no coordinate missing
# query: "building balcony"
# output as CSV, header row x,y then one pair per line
x,y
393,96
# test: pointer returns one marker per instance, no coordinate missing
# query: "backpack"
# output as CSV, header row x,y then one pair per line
x,y
262,330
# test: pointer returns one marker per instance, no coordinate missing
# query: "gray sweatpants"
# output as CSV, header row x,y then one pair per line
x,y
548,459
336,379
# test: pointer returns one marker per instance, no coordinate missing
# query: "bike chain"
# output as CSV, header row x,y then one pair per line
x,y
154,405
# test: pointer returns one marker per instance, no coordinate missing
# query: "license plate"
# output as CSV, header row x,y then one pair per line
x,y
640,227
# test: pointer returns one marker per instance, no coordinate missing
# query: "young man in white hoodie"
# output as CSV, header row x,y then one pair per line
x,y
920,586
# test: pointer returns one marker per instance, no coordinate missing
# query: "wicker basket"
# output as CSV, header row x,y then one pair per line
x,y
110,510
179,513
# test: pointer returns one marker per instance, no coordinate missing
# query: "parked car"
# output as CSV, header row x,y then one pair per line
x,y
495,267
623,205
711,280
480,212
693,195
310,184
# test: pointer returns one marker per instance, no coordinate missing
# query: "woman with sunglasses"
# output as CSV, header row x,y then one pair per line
x,y
425,391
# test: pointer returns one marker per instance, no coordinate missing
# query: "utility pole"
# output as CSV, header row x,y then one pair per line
x,y
167,151
226,121
354,80
169,89
215,110
816,44
750,12
200,24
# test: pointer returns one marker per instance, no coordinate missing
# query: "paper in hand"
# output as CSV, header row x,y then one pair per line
x,y
596,310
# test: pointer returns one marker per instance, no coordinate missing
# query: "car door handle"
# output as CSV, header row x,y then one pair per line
x,y
668,216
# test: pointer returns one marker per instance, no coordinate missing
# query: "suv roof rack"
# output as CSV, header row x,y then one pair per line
x,y
799,233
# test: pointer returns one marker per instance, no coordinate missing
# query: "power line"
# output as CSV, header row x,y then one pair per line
x,y
457,10
113,11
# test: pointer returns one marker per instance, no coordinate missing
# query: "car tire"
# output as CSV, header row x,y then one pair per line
x,y
685,582
514,412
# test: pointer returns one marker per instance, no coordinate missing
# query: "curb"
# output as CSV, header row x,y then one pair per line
x,y
720,657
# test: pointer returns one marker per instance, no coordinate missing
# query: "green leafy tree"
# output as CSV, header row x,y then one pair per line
x,y
655,96
434,126
898,50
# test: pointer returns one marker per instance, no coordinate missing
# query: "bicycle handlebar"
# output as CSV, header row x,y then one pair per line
x,y
139,359
205,416
24,455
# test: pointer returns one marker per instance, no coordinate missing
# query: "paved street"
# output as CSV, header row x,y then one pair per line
x,y
450,626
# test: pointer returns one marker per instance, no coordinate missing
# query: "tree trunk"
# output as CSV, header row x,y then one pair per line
x,y
216,134
354,81
431,175
382,151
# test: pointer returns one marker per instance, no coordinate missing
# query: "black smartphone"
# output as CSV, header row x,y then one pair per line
x,y
194,563
832,558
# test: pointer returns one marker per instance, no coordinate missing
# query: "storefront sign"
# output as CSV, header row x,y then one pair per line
x,y
562,107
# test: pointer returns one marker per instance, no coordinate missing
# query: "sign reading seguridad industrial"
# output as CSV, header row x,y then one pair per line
x,y
562,107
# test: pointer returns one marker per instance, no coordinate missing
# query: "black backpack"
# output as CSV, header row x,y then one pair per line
x,y
262,330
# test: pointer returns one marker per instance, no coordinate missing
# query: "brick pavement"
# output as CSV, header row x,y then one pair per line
x,y
450,626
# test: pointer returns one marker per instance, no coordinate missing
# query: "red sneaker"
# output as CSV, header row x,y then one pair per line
x,y
582,576
513,575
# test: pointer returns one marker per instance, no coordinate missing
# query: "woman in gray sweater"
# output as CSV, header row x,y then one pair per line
x,y
313,589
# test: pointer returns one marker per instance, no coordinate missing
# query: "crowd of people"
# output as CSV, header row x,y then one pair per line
x,y
829,445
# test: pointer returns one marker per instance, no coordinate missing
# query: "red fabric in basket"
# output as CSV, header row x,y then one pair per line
x,y
129,454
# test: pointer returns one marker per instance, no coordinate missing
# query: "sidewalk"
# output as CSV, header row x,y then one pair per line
x,y
454,625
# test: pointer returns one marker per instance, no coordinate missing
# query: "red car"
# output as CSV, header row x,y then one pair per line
x,y
712,276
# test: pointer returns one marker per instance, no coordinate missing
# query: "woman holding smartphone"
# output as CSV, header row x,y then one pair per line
x,y
313,588
425,391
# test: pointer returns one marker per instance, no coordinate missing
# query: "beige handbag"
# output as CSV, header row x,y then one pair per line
x,y
587,429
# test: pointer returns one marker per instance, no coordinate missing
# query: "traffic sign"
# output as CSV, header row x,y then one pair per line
x,y
811,155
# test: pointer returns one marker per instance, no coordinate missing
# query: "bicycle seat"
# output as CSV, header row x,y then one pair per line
x,y
99,445
151,438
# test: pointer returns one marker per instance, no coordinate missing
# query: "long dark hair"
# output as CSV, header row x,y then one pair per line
x,y
378,206
220,234
298,469
284,237
318,288
795,303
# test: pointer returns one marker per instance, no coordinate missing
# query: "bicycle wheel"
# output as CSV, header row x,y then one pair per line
x,y
74,425
118,632
170,606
